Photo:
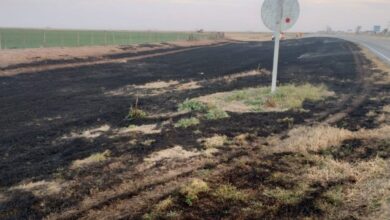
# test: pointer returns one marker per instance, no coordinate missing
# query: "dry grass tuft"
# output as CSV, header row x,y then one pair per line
x,y
227,193
191,190
288,196
145,129
216,141
158,85
330,170
241,139
88,134
188,86
176,152
379,133
41,188
164,205
170,154
386,109
371,192
303,139
312,139
93,159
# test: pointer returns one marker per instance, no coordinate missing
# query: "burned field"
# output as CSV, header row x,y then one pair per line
x,y
177,134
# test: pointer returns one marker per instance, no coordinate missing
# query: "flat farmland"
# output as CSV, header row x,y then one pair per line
x,y
190,132
37,38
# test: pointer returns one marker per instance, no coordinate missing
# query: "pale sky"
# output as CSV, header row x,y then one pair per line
x,y
211,15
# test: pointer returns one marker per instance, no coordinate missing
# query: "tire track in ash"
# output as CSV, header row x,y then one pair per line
x,y
357,98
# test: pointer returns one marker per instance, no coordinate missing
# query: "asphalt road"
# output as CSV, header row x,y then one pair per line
x,y
379,46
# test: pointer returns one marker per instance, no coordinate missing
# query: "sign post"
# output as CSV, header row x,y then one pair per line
x,y
279,16
276,61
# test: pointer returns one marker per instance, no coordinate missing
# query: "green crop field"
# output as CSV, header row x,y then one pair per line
x,y
11,38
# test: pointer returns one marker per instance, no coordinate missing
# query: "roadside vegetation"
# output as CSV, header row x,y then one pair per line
x,y
215,107
302,182
187,122
313,172
286,97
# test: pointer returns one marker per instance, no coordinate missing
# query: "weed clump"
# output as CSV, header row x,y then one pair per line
x,y
215,114
193,189
192,106
135,112
187,122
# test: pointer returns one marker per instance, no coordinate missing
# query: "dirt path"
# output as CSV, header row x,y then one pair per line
x,y
107,58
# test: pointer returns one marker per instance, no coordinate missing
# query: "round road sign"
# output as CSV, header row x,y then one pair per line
x,y
280,15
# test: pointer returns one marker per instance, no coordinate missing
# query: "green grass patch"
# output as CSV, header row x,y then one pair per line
x,y
11,38
136,113
286,97
187,122
215,114
193,106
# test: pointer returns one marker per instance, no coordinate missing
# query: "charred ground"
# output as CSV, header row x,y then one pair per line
x,y
67,151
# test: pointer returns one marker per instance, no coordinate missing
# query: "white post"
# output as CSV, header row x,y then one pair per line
x,y
276,61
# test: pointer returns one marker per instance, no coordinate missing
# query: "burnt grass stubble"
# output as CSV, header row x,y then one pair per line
x,y
29,144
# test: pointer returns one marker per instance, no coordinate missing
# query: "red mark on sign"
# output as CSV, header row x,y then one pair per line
x,y
288,20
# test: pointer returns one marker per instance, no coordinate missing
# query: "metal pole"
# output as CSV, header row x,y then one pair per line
x,y
276,61
0,42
